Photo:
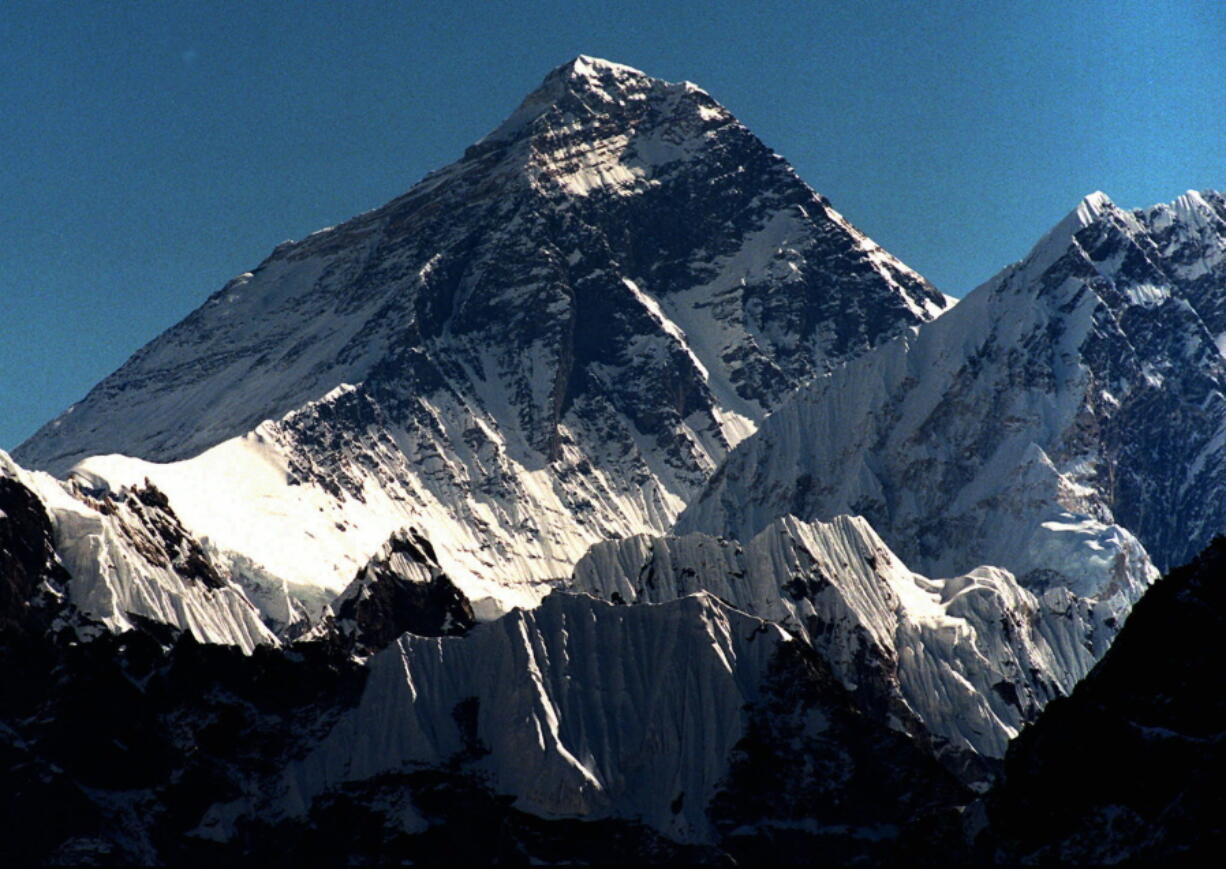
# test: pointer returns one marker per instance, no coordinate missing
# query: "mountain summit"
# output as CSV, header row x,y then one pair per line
x,y
551,342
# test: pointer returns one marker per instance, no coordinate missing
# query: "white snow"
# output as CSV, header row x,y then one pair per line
x,y
579,718
115,575
265,415
899,435
950,640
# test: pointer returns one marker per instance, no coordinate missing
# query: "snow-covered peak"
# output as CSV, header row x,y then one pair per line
x,y
550,342
1200,212
582,89
128,558
1055,243
597,70
1065,421
1092,206
1191,205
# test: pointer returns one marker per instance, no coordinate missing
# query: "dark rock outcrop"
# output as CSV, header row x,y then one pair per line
x,y
401,589
31,577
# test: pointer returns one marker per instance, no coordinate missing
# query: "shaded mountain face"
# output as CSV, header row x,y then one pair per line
x,y
31,577
1065,421
402,590
655,731
550,342
1130,766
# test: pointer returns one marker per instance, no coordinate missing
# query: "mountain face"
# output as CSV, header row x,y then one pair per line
x,y
1065,421
368,559
548,343
972,658
32,580
401,590
1154,700
659,731
569,708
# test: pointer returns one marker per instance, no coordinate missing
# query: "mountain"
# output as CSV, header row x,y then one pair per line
x,y
551,342
402,589
570,708
380,555
1152,702
972,659
1065,421
113,561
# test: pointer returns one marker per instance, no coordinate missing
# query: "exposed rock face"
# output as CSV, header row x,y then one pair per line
x,y
31,577
843,775
1064,420
553,343
112,748
973,658
1129,768
402,589
548,343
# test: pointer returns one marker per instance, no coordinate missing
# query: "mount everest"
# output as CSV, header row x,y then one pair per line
x,y
546,344
588,482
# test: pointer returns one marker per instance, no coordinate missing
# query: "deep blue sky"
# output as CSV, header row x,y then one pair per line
x,y
151,151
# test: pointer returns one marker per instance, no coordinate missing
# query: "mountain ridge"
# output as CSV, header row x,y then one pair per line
x,y
381,548
1093,358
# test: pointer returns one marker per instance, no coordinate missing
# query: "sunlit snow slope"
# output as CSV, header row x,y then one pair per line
x,y
127,558
973,657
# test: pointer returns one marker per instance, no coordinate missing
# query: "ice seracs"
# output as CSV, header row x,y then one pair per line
x,y
127,558
584,709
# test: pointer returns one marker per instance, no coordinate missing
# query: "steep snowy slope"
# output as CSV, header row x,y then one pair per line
x,y
554,735
1063,415
974,657
548,343
125,556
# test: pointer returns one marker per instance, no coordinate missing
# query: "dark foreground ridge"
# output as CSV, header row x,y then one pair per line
x,y
120,750
1130,767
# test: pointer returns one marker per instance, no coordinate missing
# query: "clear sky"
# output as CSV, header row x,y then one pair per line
x,y
151,151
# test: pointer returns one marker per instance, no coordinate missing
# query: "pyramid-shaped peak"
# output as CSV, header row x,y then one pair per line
x,y
1054,244
583,85
1092,207
593,76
